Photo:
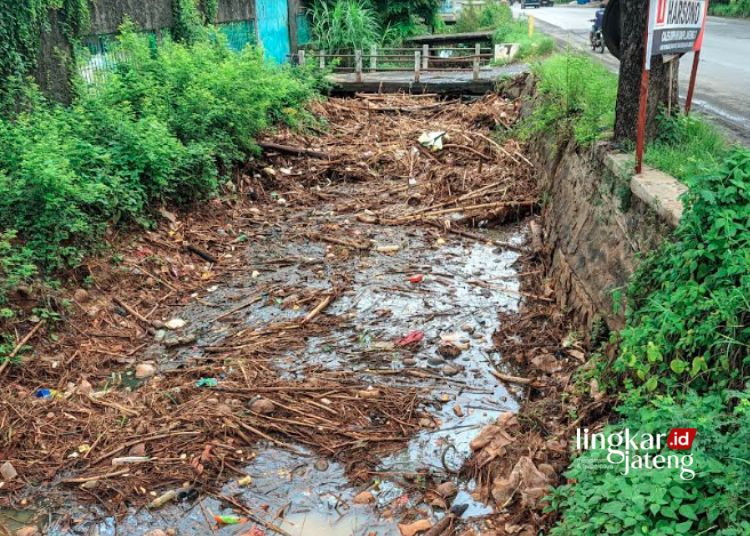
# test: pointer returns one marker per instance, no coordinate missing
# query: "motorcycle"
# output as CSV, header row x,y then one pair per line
x,y
596,38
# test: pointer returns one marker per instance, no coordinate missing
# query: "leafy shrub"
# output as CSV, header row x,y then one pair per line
x,y
188,23
601,500
338,25
16,267
573,90
689,317
344,25
491,15
733,8
159,129
201,92
683,350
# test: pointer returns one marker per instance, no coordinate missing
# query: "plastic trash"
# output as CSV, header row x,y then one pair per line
x,y
163,499
175,323
412,337
433,140
229,520
207,382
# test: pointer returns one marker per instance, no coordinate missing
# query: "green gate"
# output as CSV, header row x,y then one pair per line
x,y
272,19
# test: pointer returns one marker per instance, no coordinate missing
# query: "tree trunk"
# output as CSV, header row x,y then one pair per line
x,y
631,64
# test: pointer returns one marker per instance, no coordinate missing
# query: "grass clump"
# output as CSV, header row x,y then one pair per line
x,y
498,17
574,91
579,93
161,129
344,25
517,31
686,146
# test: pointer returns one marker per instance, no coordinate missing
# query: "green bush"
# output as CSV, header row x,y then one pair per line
x,y
689,319
16,267
405,18
491,15
683,351
159,129
576,91
339,25
734,8
601,500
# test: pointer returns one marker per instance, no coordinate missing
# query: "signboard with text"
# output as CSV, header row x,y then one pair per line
x,y
675,27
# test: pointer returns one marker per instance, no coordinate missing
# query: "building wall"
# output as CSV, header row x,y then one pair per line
x,y
108,15
236,19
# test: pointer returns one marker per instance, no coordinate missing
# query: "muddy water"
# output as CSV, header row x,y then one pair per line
x,y
466,283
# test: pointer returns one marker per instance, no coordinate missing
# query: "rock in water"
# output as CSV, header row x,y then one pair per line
x,y
449,351
262,406
144,370
364,497
8,472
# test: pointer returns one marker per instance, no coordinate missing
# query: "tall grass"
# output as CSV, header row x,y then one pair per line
x,y
686,147
344,25
490,16
574,91
517,31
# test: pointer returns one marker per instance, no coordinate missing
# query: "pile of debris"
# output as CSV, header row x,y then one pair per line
x,y
434,161
127,404
517,459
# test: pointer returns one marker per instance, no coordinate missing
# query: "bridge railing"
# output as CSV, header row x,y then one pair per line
x,y
416,60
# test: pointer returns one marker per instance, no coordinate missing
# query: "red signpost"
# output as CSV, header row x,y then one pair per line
x,y
672,27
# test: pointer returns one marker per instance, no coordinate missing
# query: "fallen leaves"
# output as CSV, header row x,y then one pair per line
x,y
525,479
411,529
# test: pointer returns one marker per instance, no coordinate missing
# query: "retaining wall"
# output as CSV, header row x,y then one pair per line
x,y
599,219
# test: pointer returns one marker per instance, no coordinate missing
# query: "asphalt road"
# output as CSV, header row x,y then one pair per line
x,y
723,86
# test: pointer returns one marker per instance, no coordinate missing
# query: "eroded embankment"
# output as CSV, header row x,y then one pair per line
x,y
325,328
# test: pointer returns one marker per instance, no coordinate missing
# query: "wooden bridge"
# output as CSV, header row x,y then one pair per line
x,y
428,68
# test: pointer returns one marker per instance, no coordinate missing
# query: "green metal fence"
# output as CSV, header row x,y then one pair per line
x,y
239,34
98,55
303,29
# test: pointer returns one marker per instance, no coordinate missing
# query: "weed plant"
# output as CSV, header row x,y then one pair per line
x,y
160,130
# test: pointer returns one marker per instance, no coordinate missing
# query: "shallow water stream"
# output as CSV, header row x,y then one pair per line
x,y
465,284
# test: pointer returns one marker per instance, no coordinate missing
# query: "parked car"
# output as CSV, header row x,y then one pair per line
x,y
530,3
